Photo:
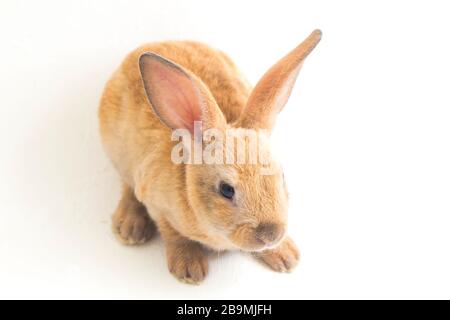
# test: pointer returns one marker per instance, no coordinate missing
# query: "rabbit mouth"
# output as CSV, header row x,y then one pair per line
x,y
270,246
256,239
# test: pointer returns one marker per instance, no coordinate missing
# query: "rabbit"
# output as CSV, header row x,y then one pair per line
x,y
197,208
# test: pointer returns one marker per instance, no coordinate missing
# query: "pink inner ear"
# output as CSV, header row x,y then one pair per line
x,y
173,95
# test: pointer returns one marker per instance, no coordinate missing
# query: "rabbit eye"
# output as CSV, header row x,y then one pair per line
x,y
226,190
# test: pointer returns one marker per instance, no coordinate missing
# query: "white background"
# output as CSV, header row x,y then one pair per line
x,y
364,142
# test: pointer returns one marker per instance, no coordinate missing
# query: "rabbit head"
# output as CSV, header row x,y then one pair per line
x,y
245,202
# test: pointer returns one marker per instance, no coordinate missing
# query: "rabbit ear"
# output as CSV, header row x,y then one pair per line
x,y
273,90
176,96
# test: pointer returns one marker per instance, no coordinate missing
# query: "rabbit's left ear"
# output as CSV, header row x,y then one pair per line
x,y
177,97
273,90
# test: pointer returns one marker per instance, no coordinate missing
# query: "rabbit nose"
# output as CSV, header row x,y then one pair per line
x,y
269,233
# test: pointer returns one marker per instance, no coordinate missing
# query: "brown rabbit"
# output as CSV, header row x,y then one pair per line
x,y
197,207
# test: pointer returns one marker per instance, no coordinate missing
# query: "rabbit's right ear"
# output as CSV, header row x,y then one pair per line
x,y
272,91
177,97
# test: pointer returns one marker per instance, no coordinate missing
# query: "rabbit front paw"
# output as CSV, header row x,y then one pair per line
x,y
187,261
283,258
133,225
